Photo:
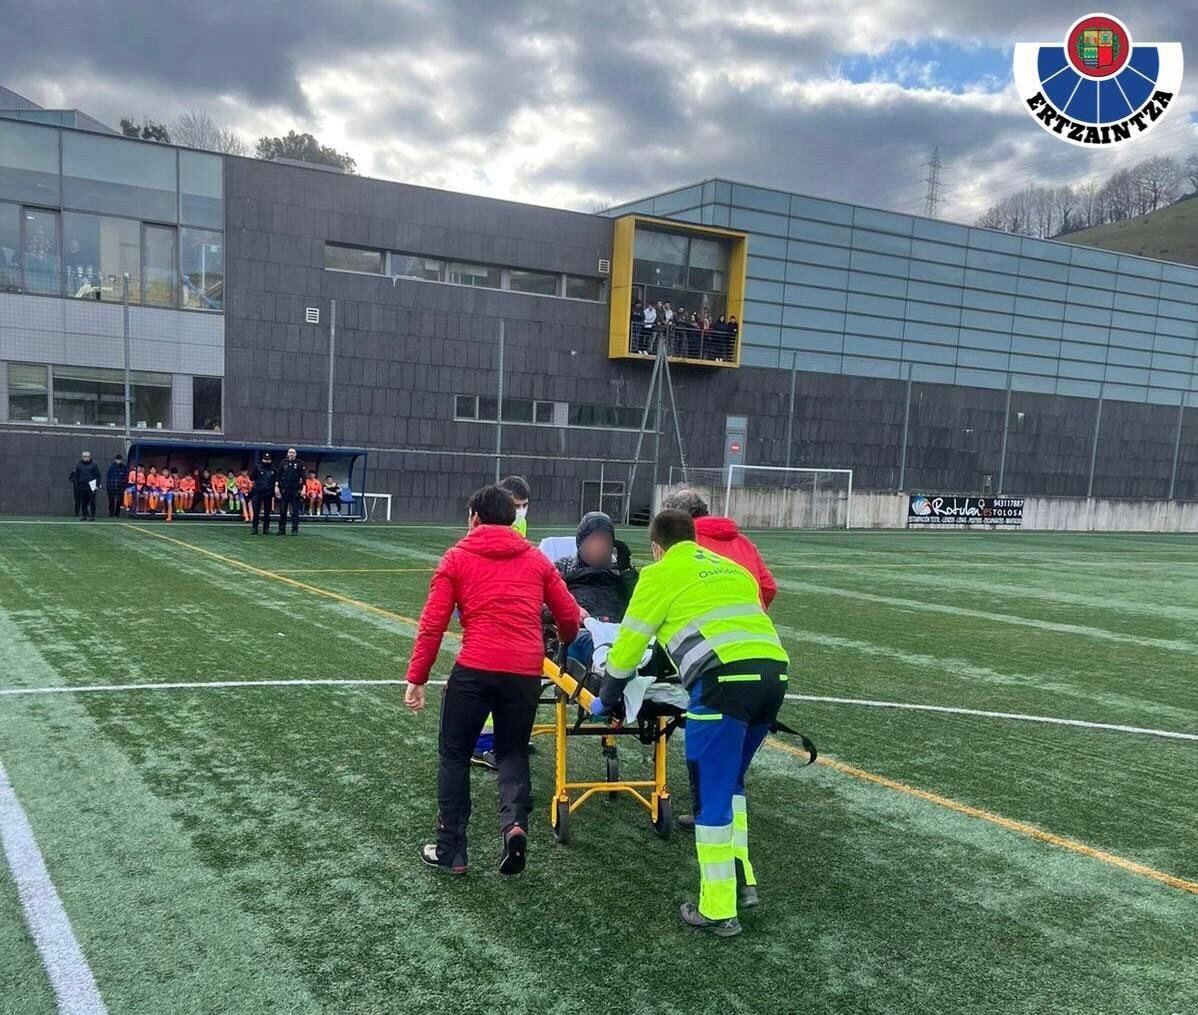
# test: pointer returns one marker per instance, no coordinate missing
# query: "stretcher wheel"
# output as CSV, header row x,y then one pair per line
x,y
561,828
613,773
664,824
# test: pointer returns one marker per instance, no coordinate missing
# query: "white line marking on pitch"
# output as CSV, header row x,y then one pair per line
x,y
952,710
366,682
67,969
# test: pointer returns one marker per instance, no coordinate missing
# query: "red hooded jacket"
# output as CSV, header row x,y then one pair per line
x,y
498,581
720,535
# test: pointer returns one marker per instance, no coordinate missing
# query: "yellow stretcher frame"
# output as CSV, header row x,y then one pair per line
x,y
652,794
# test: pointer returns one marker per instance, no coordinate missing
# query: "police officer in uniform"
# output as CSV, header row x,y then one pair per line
x,y
290,482
705,610
262,492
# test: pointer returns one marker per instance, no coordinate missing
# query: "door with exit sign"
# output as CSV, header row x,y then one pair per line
x,y
736,436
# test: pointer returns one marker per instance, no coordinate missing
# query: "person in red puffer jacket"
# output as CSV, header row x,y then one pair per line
x,y
498,582
720,535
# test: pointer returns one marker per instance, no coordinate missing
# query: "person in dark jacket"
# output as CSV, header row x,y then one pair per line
x,y
114,485
497,581
289,485
600,577
262,492
85,480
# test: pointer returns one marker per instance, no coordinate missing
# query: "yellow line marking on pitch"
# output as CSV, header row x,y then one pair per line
x,y
1020,827
378,611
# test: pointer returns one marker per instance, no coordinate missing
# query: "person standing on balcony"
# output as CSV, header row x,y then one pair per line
x,y
649,325
733,332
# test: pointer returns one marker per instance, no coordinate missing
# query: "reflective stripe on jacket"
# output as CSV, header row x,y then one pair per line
x,y
703,608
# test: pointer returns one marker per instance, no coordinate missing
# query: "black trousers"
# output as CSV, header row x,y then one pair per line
x,y
289,503
85,503
260,499
114,503
470,695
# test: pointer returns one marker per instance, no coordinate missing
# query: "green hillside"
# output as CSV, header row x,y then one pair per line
x,y
1170,234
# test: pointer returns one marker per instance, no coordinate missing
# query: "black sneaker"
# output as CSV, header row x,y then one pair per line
x,y
515,851
720,928
686,822
746,894
428,854
485,759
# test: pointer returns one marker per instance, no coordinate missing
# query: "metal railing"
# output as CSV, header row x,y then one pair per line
x,y
683,341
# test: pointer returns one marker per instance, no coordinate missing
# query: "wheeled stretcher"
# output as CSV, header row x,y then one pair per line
x,y
568,694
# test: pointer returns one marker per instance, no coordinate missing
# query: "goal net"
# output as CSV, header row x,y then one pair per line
x,y
772,497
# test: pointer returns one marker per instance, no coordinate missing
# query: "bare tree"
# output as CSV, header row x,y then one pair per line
x,y
1088,205
1192,172
197,129
1159,179
1065,201
1120,194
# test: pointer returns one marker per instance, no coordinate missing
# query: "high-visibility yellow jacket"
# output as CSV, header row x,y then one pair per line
x,y
706,611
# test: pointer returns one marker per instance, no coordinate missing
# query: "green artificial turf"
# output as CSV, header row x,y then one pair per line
x,y
254,849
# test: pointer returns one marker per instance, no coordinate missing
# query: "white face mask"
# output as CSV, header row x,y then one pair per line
x,y
521,512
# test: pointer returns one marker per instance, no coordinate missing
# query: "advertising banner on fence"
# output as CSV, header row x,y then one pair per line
x,y
924,509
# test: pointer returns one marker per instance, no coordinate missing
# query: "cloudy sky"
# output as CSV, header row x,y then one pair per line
x,y
582,104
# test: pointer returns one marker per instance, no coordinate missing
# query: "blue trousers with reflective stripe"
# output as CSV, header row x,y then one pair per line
x,y
718,754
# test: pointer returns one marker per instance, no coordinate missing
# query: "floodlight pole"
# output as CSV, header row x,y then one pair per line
x,y
332,354
499,411
1094,444
1181,411
790,416
902,483
1006,426
128,385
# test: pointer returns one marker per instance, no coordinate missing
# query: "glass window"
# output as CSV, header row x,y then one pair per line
x,y
39,250
578,287
29,160
465,407
202,269
28,397
543,412
95,397
352,259
97,254
517,410
206,403
487,408
201,189
659,258
10,246
121,177
413,266
480,275
708,265
158,266
538,282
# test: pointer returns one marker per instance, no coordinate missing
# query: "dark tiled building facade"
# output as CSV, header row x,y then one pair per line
x,y
419,292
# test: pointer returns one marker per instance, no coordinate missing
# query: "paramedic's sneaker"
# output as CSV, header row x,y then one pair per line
x,y
720,928
428,854
686,822
484,759
515,851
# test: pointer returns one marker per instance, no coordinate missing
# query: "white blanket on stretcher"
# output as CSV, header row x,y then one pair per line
x,y
638,688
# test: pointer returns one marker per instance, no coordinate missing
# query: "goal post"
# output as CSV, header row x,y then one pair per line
x,y
777,497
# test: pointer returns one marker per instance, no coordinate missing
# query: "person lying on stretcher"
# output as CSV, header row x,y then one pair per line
x,y
600,577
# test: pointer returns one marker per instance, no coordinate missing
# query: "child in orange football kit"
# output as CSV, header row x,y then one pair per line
x,y
244,486
313,492
186,492
219,487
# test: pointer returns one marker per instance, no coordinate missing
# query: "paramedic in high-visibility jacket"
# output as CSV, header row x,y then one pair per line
x,y
706,611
